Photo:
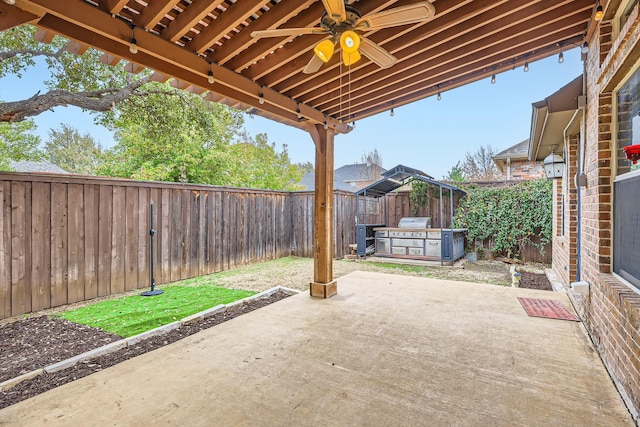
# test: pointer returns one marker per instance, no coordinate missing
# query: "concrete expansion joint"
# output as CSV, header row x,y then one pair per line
x,y
130,341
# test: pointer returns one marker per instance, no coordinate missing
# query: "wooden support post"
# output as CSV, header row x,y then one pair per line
x,y
323,285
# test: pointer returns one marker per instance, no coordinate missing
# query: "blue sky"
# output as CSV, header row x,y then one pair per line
x,y
429,135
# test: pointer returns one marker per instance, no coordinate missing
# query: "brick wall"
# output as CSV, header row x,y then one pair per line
x,y
612,310
565,244
525,170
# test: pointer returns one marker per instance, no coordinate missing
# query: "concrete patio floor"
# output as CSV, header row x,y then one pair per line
x,y
387,350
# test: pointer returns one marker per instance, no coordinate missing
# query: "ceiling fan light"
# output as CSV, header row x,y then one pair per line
x,y
349,42
324,50
350,58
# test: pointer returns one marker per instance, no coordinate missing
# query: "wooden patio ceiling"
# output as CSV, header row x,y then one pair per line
x,y
467,40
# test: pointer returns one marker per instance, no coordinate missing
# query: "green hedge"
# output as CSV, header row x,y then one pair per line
x,y
510,216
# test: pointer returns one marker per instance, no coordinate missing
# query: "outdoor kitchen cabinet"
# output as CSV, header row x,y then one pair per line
x,y
365,238
422,243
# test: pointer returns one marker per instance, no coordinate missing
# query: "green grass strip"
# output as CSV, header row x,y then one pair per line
x,y
135,314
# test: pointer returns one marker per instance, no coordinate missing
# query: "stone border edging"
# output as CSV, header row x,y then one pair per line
x,y
130,341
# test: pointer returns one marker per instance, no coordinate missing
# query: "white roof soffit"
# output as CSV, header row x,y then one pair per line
x,y
550,117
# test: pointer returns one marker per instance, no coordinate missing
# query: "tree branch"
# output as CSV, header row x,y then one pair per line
x,y
102,100
32,52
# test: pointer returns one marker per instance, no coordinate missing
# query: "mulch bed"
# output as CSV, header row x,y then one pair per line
x,y
34,343
535,281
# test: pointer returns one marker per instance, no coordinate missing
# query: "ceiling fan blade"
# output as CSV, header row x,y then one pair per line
x,y
377,53
335,9
314,65
410,14
285,32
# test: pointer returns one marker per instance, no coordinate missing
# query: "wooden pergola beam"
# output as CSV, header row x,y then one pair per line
x,y
267,62
274,74
113,36
443,40
11,16
413,94
468,46
154,12
194,13
278,14
503,55
262,47
225,23
113,6
323,285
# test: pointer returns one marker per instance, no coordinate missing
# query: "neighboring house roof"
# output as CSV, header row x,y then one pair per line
x,y
29,166
520,151
344,178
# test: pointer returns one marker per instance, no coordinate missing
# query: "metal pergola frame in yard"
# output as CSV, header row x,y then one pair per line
x,y
395,178
187,41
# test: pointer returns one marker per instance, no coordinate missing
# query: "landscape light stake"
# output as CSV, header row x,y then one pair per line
x,y
153,290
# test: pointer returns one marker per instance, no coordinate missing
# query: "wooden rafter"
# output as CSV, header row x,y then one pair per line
x,y
233,16
195,12
278,14
447,46
153,13
113,6
11,16
113,36
466,40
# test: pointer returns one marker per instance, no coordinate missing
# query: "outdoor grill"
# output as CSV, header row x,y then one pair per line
x,y
414,238
415,222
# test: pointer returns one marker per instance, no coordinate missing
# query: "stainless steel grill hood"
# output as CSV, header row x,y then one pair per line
x,y
415,222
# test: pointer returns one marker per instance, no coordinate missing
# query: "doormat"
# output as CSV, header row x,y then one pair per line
x,y
551,309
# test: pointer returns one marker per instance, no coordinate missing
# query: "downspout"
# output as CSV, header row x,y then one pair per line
x,y
581,148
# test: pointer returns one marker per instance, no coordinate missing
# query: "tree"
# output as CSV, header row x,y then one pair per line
x,y
79,80
373,160
479,166
17,143
305,167
257,164
71,151
455,174
178,137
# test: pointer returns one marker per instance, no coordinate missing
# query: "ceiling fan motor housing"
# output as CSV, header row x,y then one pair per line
x,y
337,28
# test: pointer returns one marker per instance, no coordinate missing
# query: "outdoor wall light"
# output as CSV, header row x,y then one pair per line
x,y
493,79
526,66
261,99
553,166
560,58
391,113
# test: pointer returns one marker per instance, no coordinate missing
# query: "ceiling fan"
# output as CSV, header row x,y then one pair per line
x,y
344,22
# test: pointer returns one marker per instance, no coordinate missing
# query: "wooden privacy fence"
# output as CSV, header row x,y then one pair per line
x,y
67,239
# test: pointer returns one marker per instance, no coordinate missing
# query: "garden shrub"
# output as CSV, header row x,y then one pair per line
x,y
510,216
